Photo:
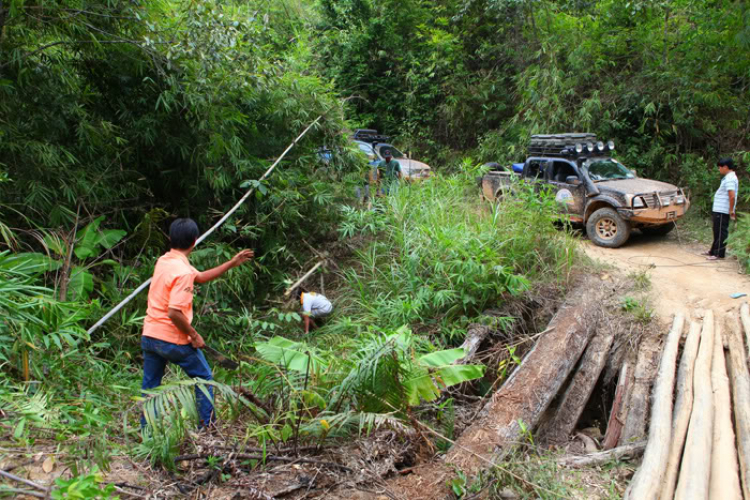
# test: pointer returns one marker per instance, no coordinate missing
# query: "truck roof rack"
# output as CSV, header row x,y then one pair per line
x,y
369,135
556,144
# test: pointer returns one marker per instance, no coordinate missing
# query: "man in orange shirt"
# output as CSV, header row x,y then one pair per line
x,y
167,332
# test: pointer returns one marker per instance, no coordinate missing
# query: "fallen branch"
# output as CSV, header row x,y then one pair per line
x,y
696,461
647,482
725,480
21,480
741,399
682,407
474,338
579,461
23,492
303,278
266,458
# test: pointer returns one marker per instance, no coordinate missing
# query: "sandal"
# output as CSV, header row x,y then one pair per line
x,y
706,253
712,257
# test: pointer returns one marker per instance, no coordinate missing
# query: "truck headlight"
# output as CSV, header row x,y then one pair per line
x,y
665,202
680,200
638,202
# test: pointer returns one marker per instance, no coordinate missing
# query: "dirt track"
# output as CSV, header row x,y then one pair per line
x,y
681,278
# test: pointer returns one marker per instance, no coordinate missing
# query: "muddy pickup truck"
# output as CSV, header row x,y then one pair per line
x,y
593,188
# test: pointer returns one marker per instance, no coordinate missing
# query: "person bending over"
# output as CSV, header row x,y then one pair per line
x,y
314,305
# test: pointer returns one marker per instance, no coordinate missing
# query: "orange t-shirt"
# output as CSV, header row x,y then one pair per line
x,y
171,287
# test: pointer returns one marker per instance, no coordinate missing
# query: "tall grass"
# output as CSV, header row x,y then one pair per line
x,y
439,254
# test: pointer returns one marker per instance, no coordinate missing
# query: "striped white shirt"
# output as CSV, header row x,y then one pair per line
x,y
721,199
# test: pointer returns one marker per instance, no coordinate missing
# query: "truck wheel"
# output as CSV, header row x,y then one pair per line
x,y
606,228
658,230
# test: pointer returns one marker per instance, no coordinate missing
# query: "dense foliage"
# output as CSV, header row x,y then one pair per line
x,y
117,116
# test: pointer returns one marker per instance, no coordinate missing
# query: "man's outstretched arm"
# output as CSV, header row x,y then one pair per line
x,y
212,274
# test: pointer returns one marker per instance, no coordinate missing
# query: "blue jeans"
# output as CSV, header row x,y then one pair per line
x,y
156,355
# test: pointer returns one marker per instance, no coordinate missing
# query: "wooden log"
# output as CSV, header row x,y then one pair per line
x,y
474,338
615,423
682,408
646,365
632,450
745,318
565,417
647,482
741,403
527,393
724,480
695,470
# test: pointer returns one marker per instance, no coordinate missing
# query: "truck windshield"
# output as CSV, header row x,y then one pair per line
x,y
608,170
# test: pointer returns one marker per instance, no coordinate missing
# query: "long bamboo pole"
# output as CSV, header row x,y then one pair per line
x,y
213,228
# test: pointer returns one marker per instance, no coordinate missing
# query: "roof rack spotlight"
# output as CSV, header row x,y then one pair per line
x,y
579,148
600,146
611,145
590,147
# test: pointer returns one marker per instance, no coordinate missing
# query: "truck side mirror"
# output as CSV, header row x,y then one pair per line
x,y
572,179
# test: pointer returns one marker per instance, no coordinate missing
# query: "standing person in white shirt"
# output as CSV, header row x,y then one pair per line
x,y
314,305
725,201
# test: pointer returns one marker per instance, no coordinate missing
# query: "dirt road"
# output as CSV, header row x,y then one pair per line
x,y
681,278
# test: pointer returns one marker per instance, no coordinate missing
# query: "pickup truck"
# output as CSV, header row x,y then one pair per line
x,y
592,188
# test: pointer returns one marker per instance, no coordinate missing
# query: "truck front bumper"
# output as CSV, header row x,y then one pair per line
x,y
655,216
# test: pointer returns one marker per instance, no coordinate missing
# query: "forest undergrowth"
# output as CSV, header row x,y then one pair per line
x,y
410,276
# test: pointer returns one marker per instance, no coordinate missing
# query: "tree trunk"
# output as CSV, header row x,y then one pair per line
x,y
558,428
647,482
682,408
696,461
725,480
745,317
741,396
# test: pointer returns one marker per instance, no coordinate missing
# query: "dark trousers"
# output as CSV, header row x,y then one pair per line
x,y
721,232
156,355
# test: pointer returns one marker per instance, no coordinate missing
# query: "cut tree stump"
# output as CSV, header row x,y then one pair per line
x,y
647,482
682,408
725,479
695,470
616,419
634,427
563,421
741,399
594,459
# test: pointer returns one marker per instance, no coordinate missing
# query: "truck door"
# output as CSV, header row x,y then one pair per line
x,y
566,180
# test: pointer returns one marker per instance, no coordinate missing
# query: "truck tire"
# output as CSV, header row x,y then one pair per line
x,y
661,230
606,228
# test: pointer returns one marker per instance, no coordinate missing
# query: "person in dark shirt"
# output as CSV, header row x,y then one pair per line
x,y
389,170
